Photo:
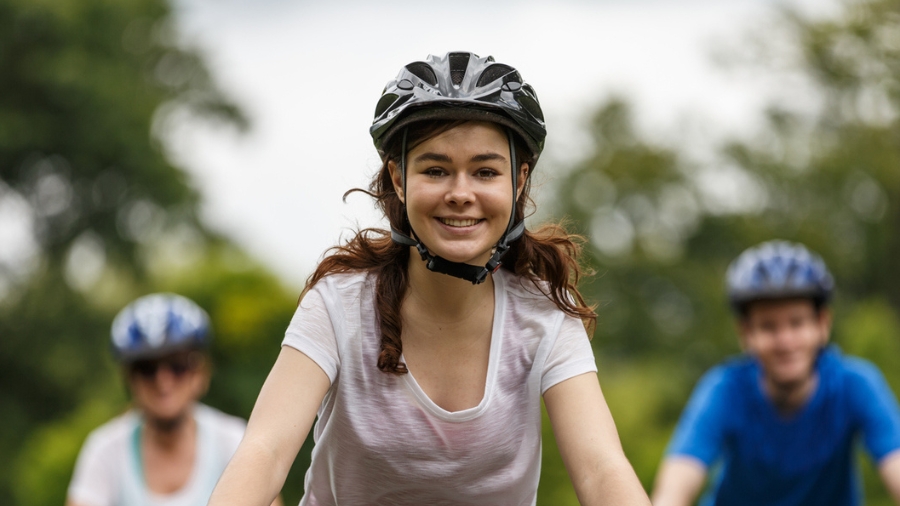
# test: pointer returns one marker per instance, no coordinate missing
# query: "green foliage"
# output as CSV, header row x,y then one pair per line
x,y
645,399
871,329
82,84
658,255
86,87
45,463
53,347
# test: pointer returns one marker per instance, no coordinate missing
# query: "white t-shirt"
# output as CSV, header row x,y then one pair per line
x,y
108,472
381,440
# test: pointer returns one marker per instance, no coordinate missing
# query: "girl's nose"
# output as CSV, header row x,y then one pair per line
x,y
460,191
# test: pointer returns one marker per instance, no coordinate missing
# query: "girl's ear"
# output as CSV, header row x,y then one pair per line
x,y
523,177
397,180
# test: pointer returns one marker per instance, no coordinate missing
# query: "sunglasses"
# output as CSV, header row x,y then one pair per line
x,y
178,366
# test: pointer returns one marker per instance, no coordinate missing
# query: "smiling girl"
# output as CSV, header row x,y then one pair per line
x,y
425,350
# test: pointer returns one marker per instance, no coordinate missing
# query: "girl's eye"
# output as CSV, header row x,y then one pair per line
x,y
433,171
487,173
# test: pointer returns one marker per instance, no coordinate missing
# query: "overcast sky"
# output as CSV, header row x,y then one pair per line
x,y
309,74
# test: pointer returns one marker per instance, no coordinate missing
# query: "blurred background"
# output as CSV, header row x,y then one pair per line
x,y
202,147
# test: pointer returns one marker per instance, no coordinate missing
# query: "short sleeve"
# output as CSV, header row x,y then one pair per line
x,y
879,412
92,480
700,430
570,355
311,332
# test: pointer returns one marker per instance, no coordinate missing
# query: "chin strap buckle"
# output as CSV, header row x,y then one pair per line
x,y
473,273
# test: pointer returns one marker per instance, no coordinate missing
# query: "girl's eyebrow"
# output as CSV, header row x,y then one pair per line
x,y
488,157
440,157
432,157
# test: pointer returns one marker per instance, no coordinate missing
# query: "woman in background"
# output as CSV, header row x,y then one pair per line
x,y
169,449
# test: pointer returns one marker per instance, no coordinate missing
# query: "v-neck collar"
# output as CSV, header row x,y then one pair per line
x,y
493,364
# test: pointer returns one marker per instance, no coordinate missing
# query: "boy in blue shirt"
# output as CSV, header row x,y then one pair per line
x,y
780,423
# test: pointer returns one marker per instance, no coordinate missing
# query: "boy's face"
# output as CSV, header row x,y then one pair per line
x,y
785,336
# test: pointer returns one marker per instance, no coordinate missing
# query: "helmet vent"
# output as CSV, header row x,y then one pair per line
x,y
423,71
385,102
497,71
532,107
458,64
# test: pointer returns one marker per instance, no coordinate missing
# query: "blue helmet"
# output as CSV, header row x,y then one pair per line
x,y
158,324
778,270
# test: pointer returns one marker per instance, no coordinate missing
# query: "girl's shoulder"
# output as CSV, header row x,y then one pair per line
x,y
346,282
524,288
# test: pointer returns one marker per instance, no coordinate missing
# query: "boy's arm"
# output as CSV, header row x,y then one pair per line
x,y
889,469
696,442
678,482
880,414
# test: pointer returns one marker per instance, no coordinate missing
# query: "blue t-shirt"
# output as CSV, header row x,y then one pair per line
x,y
763,457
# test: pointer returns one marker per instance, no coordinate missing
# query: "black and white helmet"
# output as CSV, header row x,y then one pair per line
x,y
460,85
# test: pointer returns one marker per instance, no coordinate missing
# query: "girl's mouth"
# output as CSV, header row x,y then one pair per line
x,y
458,223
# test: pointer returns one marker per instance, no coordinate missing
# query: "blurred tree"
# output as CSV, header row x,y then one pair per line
x,y
83,84
86,89
825,171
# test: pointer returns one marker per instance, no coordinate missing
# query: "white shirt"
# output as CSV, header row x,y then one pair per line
x,y
381,440
108,471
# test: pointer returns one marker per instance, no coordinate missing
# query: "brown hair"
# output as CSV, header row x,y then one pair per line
x,y
547,254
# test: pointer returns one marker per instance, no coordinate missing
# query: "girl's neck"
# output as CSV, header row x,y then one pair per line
x,y
444,296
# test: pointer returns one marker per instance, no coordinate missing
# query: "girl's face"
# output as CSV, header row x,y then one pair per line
x,y
459,191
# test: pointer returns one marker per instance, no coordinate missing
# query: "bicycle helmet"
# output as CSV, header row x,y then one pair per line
x,y
460,85
158,324
777,270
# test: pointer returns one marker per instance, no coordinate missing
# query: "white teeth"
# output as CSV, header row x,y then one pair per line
x,y
458,223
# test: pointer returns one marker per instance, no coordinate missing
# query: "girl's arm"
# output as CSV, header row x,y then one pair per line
x,y
589,444
278,426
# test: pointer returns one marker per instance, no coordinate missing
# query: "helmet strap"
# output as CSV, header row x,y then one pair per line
x,y
472,273
403,165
